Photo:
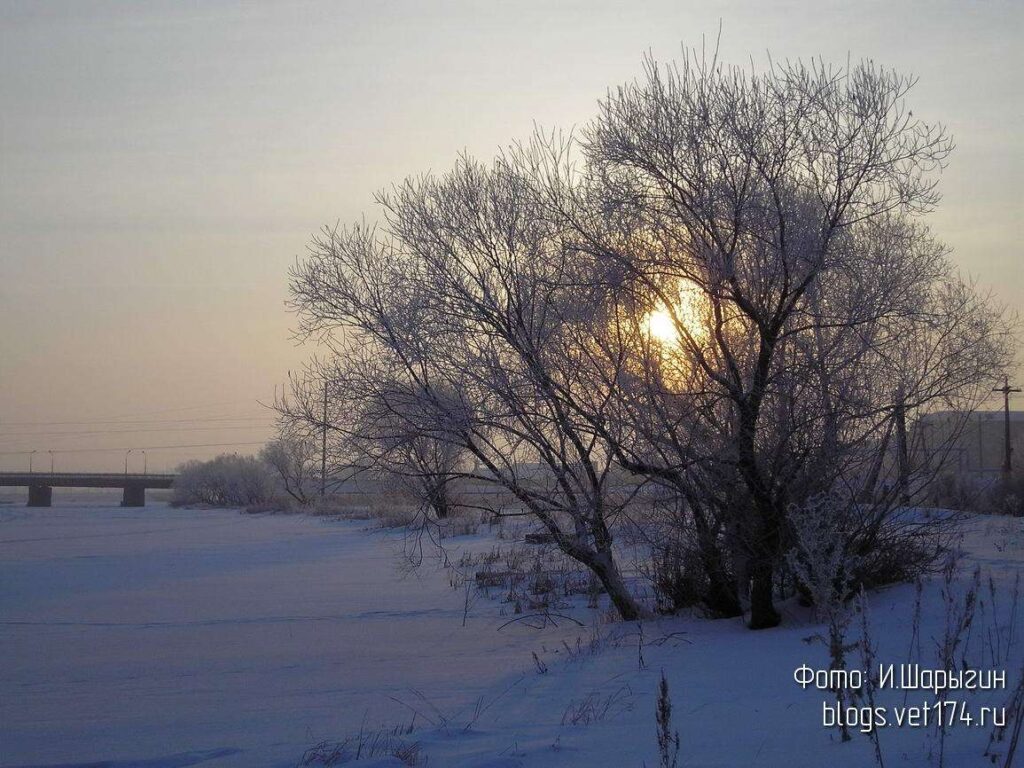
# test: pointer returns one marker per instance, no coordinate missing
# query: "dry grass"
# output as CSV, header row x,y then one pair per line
x,y
365,745
390,509
596,707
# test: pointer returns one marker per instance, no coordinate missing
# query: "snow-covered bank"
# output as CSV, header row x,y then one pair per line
x,y
143,634
159,637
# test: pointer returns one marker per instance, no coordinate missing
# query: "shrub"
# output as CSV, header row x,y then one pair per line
x,y
844,546
1007,496
676,577
229,480
955,491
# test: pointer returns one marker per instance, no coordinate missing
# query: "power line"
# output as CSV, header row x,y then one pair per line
x,y
204,419
92,433
136,448
116,418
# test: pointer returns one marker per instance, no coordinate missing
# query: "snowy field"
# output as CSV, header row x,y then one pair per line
x,y
166,638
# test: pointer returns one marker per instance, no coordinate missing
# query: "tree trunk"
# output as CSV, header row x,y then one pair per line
x,y
721,599
437,498
722,602
608,574
440,505
762,608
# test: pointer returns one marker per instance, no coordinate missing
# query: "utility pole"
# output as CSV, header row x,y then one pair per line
x,y
323,447
1006,389
981,442
902,459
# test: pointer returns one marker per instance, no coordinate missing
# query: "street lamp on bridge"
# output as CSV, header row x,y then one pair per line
x,y
126,461
51,461
30,457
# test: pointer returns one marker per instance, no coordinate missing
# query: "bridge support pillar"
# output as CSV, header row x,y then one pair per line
x,y
134,496
40,496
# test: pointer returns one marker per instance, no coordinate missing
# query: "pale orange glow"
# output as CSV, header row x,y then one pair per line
x,y
689,313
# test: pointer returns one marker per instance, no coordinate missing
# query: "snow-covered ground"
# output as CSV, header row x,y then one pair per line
x,y
166,638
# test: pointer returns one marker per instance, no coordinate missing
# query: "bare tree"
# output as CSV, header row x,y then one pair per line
x,y
295,458
312,453
391,428
770,218
466,303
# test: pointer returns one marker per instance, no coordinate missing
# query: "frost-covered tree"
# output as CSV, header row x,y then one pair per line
x,y
771,222
723,286
465,302
229,480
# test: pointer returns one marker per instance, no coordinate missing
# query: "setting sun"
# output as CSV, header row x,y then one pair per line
x,y
662,327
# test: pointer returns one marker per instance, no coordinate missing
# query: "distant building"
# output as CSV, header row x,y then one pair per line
x,y
978,449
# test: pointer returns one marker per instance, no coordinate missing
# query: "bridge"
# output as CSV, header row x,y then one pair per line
x,y
41,484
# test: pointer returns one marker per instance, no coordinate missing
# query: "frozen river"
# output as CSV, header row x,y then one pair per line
x,y
164,637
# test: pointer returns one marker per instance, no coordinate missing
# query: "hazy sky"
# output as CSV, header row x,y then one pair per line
x,y
163,164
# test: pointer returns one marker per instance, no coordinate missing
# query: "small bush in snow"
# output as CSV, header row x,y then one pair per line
x,y
689,564
821,558
864,545
824,566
